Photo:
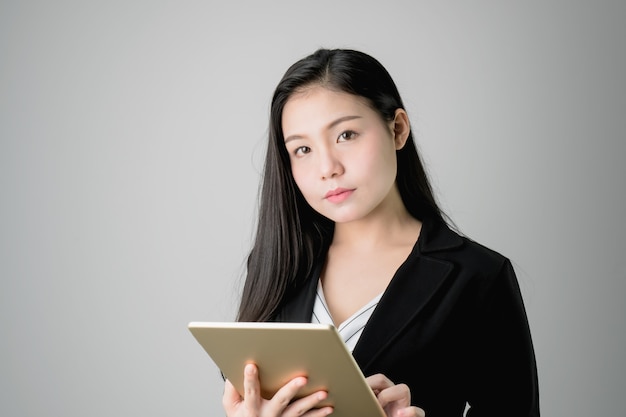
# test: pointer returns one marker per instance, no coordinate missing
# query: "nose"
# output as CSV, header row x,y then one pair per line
x,y
330,165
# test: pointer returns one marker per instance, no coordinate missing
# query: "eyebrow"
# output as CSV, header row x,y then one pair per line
x,y
330,126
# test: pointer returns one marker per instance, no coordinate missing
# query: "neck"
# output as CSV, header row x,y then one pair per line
x,y
388,227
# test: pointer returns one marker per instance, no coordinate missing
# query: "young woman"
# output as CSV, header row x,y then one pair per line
x,y
349,233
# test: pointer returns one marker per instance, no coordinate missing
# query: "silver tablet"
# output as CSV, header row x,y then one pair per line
x,y
283,351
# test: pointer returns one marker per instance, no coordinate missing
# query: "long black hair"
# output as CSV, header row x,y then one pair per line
x,y
290,235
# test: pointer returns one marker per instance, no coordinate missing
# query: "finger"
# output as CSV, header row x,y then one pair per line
x,y
286,394
319,412
419,412
251,389
398,394
378,382
231,397
305,406
410,412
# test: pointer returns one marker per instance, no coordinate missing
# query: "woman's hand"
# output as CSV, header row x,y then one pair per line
x,y
281,405
394,399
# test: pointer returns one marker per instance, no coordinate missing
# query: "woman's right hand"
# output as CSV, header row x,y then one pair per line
x,y
395,399
281,405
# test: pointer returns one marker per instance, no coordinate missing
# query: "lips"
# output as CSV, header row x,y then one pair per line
x,y
338,195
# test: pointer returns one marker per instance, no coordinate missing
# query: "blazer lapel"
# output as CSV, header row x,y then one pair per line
x,y
412,287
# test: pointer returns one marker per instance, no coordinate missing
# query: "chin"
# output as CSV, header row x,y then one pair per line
x,y
344,217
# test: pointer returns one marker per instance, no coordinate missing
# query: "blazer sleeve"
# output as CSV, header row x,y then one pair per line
x,y
502,371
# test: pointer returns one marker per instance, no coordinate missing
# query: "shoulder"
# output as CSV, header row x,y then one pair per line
x,y
478,256
442,243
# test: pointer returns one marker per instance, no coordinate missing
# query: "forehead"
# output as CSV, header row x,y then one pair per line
x,y
316,107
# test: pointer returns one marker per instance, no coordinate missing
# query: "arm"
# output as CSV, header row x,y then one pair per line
x,y
502,368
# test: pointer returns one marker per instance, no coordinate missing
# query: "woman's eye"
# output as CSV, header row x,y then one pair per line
x,y
347,135
302,150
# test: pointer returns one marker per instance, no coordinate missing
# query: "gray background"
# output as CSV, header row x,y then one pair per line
x,y
131,140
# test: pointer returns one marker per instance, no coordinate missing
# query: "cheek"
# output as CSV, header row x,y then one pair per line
x,y
302,180
376,159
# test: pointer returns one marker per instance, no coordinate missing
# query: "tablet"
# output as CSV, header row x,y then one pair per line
x,y
283,351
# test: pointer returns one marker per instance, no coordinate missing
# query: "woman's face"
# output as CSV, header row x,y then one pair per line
x,y
343,155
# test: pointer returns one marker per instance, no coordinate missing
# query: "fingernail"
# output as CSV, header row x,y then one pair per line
x,y
249,369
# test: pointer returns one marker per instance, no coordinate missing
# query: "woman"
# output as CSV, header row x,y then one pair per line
x,y
349,233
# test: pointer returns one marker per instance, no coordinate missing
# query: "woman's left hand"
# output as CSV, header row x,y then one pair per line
x,y
394,399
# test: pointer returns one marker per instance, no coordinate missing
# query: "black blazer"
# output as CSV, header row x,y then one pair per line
x,y
451,325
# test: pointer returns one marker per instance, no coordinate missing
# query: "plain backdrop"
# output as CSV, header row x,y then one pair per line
x,y
132,135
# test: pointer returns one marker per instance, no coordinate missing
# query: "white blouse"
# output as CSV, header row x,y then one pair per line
x,y
351,329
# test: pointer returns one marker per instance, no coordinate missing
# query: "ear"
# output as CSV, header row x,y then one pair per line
x,y
401,127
